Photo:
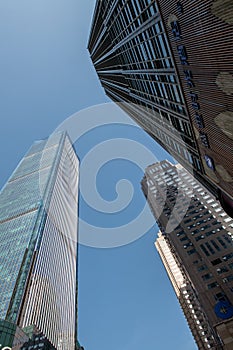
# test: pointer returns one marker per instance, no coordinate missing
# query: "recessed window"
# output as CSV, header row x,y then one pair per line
x,y
207,276
202,268
222,269
216,262
212,285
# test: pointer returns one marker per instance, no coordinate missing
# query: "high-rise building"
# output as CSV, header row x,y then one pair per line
x,y
37,341
196,246
11,336
169,65
197,320
38,242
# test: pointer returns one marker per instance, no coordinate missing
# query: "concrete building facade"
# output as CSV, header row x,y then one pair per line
x,y
197,238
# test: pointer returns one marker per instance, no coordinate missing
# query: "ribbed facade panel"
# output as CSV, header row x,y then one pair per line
x,y
206,32
174,60
51,299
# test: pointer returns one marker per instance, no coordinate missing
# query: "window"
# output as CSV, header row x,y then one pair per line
x,y
222,242
227,219
210,248
215,245
220,296
187,245
206,197
202,268
210,201
184,238
204,250
199,238
227,257
212,285
192,251
207,276
216,262
228,279
214,205
222,269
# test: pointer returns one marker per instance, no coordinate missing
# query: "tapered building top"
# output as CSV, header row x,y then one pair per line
x,y
38,241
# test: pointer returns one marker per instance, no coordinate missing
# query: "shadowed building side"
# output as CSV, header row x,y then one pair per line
x,y
196,247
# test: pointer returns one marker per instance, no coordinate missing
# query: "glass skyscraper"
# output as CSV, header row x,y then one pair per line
x,y
38,241
169,66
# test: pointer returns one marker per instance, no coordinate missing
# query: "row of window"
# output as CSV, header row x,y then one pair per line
x,y
35,162
127,16
146,51
24,194
154,128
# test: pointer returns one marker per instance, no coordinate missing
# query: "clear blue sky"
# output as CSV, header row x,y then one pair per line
x,y
125,299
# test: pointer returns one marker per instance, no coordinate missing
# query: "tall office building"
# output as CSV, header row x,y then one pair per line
x,y
196,246
169,64
197,320
38,241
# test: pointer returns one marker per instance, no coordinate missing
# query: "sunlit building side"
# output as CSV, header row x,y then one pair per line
x,y
38,242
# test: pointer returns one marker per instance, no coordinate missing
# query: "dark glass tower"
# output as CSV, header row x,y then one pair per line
x,y
196,247
38,240
169,65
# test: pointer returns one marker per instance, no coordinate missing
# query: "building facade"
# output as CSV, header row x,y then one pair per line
x,y
38,341
38,231
11,336
186,294
169,66
196,246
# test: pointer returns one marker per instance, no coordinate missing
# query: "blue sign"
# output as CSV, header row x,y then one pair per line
x,y
224,310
